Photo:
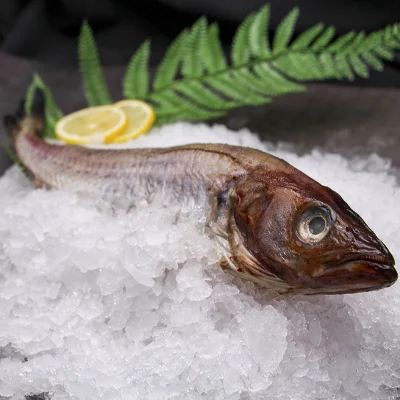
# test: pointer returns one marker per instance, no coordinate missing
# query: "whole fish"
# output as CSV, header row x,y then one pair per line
x,y
277,226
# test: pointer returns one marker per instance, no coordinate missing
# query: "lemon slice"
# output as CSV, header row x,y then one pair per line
x,y
140,119
92,125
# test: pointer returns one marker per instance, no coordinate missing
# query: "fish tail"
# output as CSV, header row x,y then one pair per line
x,y
23,122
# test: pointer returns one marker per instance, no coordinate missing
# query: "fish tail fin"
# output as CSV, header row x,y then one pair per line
x,y
21,121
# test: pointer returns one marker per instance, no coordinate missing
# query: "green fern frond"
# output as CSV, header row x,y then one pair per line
x,y
329,65
237,92
358,65
194,81
258,34
136,80
240,46
29,95
258,73
214,58
384,53
339,45
276,84
96,90
168,68
356,43
305,39
192,62
205,97
325,37
285,31
171,102
52,112
373,61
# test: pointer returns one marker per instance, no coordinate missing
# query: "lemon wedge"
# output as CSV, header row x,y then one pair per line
x,y
93,125
140,117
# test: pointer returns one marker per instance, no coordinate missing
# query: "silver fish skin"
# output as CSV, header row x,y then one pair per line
x,y
277,226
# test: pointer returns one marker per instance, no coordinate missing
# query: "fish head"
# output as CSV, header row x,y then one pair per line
x,y
306,238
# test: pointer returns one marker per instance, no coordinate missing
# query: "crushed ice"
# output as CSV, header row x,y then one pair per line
x,y
134,306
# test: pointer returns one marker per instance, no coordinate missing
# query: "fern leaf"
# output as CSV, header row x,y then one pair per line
x,y
208,86
169,119
96,90
52,113
274,83
384,53
373,61
170,103
373,40
390,38
329,66
202,115
168,67
357,44
29,95
200,94
240,48
192,62
344,67
324,39
285,31
258,34
166,119
246,79
256,74
195,82
214,58
277,85
136,80
166,100
223,85
178,105
387,34
358,65
396,31
301,67
306,38
340,43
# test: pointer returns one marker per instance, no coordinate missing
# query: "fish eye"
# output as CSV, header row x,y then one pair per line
x,y
315,223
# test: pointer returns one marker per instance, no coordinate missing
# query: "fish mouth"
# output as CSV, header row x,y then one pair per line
x,y
360,273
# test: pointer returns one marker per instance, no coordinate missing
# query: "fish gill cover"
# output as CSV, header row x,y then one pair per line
x,y
98,306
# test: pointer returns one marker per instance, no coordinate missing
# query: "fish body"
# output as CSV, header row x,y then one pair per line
x,y
277,226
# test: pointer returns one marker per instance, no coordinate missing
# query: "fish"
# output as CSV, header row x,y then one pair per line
x,y
275,226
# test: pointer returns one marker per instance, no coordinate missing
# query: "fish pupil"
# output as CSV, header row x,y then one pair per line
x,y
317,225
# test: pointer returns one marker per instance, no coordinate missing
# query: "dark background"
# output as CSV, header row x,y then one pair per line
x,y
351,118
46,31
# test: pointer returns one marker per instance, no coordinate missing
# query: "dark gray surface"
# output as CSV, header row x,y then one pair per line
x,y
341,119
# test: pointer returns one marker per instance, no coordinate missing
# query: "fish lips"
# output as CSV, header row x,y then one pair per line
x,y
359,273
